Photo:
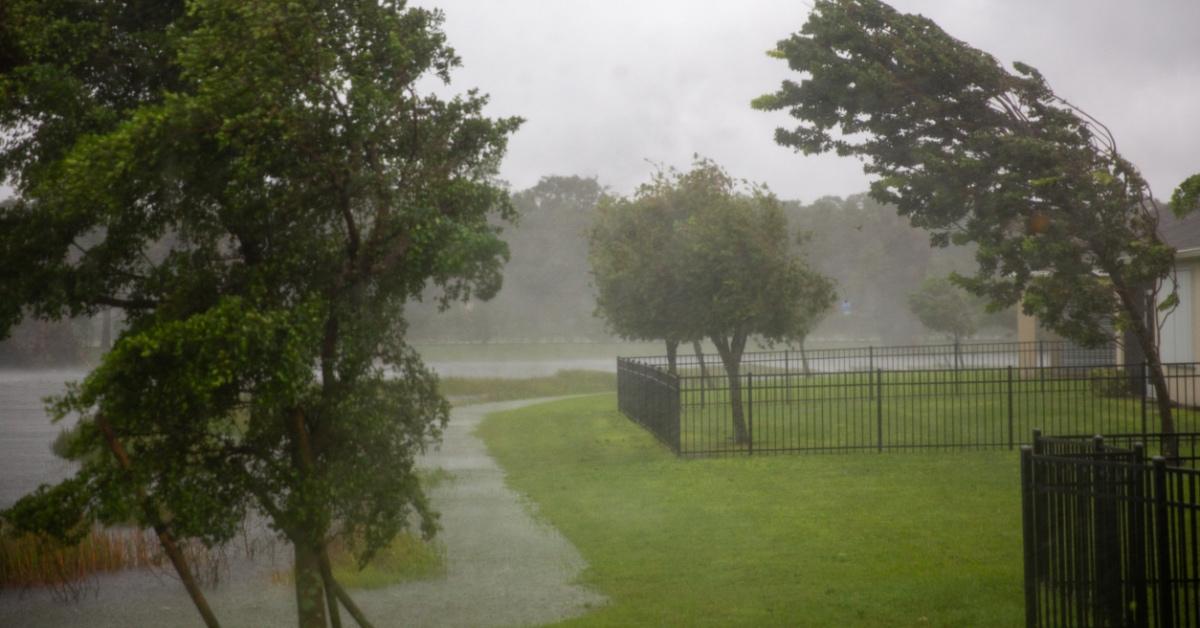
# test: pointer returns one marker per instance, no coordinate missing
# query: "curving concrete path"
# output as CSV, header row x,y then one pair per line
x,y
504,567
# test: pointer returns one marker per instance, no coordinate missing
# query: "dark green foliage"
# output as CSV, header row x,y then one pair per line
x,y
975,153
259,187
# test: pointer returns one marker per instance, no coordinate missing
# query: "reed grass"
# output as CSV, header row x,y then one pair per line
x,y
39,561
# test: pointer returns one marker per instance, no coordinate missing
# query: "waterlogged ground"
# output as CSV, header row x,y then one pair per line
x,y
503,566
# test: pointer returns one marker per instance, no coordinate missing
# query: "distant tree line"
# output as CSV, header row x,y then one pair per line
x,y
875,257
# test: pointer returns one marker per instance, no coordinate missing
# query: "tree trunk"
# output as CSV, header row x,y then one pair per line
x,y
1145,336
165,538
703,370
730,350
310,592
672,353
804,358
327,582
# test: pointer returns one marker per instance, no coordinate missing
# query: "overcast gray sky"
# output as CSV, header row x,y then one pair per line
x,y
607,84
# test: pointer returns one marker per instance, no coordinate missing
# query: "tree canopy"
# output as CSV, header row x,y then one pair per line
x,y
695,255
975,153
259,187
943,307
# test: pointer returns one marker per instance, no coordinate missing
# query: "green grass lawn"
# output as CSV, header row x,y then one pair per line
x,y
468,390
899,539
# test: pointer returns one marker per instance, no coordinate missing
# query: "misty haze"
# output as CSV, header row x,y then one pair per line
x,y
666,313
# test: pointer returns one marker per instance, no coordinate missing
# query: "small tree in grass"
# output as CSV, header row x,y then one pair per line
x,y
975,153
694,255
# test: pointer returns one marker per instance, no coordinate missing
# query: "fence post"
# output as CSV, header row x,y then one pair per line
x,y
1106,542
1041,506
678,412
870,370
750,410
1041,364
1137,534
1143,396
1028,486
1010,407
879,408
1162,544
787,374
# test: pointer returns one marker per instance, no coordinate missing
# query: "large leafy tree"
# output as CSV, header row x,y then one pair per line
x,y
976,153
259,187
695,255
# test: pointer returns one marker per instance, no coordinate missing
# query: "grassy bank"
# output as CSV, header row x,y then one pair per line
x,y
860,539
464,390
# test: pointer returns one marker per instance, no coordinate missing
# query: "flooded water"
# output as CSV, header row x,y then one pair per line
x,y
26,432
504,567
520,368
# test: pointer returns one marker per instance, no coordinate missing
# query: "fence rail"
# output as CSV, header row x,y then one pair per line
x,y
1037,354
1110,538
775,405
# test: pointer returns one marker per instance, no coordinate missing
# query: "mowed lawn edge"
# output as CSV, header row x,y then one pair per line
x,y
897,539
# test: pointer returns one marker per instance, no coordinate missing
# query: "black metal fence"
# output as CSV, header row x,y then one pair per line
x,y
1110,538
650,397
1037,354
775,405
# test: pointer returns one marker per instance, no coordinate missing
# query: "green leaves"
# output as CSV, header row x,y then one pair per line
x,y
693,255
259,187
974,153
1186,198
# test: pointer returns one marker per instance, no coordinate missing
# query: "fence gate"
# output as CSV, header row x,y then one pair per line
x,y
1109,540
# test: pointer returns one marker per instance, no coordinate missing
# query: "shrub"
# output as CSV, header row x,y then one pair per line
x,y
1109,382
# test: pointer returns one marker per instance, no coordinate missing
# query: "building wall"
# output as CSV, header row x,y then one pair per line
x,y
1182,380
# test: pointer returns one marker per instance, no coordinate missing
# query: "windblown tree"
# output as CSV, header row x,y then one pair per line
x,y
695,256
743,278
975,153
258,187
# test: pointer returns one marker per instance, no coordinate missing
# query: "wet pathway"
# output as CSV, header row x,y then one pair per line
x,y
503,567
